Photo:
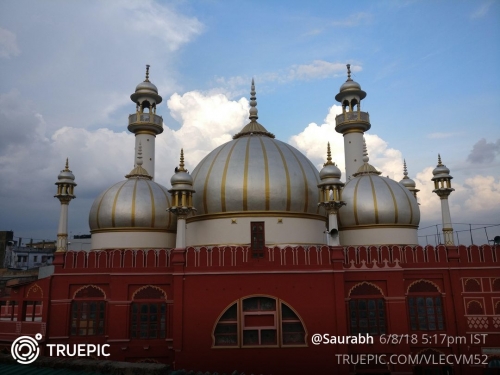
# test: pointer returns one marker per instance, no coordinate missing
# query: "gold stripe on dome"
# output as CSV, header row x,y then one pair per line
x,y
378,226
409,202
132,229
168,203
355,203
224,176
153,205
99,205
287,174
114,203
232,214
205,204
306,185
266,175
374,195
245,175
393,201
132,211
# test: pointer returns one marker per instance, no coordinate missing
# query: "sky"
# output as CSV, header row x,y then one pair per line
x,y
67,69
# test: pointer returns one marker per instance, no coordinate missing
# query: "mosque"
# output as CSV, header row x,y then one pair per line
x,y
246,258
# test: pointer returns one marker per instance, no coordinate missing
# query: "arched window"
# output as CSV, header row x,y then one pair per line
x,y
472,285
259,321
148,318
425,307
88,311
475,308
367,310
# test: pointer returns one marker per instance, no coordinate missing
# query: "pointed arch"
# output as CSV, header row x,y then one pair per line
x,y
423,286
472,285
475,307
35,290
365,288
90,291
149,292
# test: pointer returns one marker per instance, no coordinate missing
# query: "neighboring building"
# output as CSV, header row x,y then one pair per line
x,y
24,258
231,269
6,238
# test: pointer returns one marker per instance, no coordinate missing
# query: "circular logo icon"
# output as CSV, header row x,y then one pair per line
x,y
25,349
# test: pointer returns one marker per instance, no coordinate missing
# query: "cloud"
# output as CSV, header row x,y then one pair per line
x,y
387,160
482,10
484,152
8,44
317,69
353,20
441,135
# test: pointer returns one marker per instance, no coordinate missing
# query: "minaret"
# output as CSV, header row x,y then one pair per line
x,y
65,186
352,123
442,187
145,124
407,182
182,200
331,195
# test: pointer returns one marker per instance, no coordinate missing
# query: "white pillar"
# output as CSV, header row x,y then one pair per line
x,y
180,240
62,231
447,228
353,148
333,224
147,142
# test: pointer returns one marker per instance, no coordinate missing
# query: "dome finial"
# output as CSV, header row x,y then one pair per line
x,y
66,168
253,103
147,73
139,155
405,170
328,156
366,159
439,160
181,163
349,72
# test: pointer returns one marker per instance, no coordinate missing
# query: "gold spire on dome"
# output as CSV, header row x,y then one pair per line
x,y
405,170
181,163
366,168
349,72
253,127
328,156
147,73
139,171
439,161
66,168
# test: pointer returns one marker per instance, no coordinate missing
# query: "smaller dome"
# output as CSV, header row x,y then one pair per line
x,y
181,177
441,170
350,85
330,171
408,183
66,175
146,86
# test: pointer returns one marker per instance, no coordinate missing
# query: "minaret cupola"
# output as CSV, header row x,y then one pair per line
x,y
182,200
331,195
352,123
407,182
65,193
442,187
145,123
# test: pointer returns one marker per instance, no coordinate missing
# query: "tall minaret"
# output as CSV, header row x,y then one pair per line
x,y
145,124
407,182
331,195
65,186
182,200
442,187
352,123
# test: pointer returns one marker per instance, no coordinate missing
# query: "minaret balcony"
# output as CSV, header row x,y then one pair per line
x,y
355,120
145,121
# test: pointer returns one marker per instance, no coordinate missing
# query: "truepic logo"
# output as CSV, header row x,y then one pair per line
x,y
25,349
